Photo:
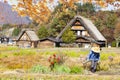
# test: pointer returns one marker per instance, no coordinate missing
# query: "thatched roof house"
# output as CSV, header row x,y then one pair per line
x,y
86,31
27,38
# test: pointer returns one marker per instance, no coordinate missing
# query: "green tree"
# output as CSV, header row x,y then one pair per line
x,y
88,7
111,20
105,19
5,26
43,32
60,21
16,31
85,9
68,36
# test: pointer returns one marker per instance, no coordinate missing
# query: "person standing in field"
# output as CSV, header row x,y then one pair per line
x,y
94,56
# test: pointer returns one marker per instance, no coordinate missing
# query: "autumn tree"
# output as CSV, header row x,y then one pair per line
x,y
108,33
40,10
111,19
37,11
117,33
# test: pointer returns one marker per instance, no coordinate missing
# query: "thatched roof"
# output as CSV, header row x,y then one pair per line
x,y
88,25
31,34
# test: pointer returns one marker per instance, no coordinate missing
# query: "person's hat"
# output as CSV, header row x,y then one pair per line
x,y
96,49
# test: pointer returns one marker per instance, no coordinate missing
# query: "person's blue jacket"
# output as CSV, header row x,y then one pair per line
x,y
93,56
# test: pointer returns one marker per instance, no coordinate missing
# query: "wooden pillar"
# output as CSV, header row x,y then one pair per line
x,y
106,44
32,44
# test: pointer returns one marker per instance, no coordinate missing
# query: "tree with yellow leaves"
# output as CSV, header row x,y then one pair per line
x,y
39,10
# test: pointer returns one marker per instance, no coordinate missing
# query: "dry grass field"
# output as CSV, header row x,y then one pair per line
x,y
32,64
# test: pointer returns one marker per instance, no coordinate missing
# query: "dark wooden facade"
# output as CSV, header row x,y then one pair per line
x,y
48,43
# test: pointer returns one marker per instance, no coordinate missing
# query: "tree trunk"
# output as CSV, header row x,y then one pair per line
x,y
117,42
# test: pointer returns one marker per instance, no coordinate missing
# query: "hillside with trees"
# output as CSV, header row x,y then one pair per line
x,y
55,17
106,21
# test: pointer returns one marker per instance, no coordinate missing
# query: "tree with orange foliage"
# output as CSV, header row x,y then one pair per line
x,y
39,10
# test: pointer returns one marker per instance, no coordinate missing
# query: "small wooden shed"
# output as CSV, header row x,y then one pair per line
x,y
27,38
48,42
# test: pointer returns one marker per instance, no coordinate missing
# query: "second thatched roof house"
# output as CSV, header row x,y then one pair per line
x,y
85,31
27,38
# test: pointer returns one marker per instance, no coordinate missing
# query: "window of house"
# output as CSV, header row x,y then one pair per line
x,y
83,33
78,33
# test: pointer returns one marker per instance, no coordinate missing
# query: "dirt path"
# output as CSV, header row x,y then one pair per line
x,y
37,76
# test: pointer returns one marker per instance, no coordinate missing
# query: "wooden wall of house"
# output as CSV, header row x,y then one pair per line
x,y
31,44
23,44
69,45
46,44
84,45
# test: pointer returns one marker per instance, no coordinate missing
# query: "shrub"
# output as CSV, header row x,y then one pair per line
x,y
39,69
56,59
114,44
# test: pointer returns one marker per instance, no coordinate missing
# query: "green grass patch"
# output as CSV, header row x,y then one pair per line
x,y
105,56
24,52
61,69
8,48
39,69
75,54
76,69
4,55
